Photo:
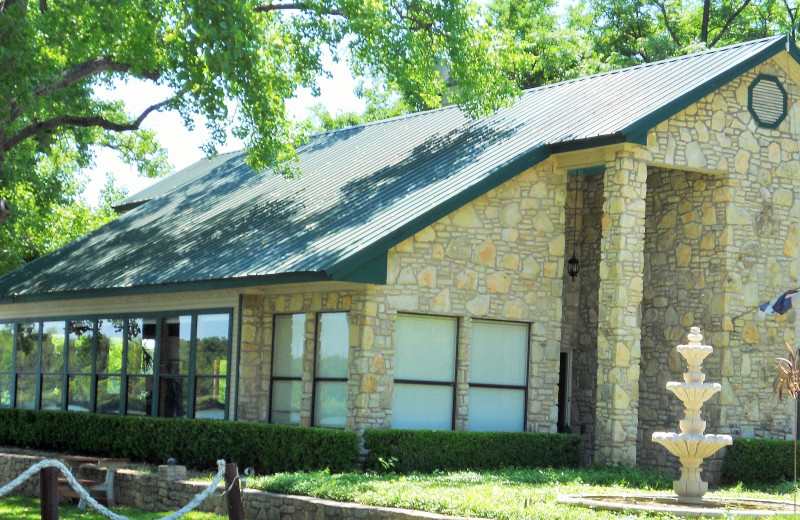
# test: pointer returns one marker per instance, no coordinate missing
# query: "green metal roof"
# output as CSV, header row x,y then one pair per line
x,y
362,189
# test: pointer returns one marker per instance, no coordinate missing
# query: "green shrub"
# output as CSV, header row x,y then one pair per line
x,y
758,461
405,451
196,443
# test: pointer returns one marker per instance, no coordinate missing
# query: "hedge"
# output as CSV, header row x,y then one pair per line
x,y
425,451
758,461
196,443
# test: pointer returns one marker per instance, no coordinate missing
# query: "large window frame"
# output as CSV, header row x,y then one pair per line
x,y
124,375
451,384
501,387
321,381
318,380
288,378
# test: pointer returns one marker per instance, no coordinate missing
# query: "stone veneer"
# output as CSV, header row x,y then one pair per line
x,y
720,237
696,227
579,327
498,257
722,243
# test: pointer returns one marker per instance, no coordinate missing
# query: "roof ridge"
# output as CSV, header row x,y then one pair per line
x,y
384,121
713,50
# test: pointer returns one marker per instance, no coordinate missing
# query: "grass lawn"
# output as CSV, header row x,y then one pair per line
x,y
507,494
24,508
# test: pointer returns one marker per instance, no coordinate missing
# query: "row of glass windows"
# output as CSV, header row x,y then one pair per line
x,y
331,349
425,372
166,365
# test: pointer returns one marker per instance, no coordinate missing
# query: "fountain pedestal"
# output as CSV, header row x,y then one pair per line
x,y
692,446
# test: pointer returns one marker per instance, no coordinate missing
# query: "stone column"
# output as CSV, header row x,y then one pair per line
x,y
620,295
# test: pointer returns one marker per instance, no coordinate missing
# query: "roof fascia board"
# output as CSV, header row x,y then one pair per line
x,y
637,132
198,285
349,264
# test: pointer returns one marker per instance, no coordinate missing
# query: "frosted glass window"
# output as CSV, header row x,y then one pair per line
x,y
496,409
330,406
287,360
422,407
286,402
425,348
334,345
425,358
499,353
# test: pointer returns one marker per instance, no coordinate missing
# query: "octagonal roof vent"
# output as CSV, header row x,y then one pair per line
x,y
766,101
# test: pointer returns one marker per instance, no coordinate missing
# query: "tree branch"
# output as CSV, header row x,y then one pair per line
x,y
662,6
728,22
299,6
80,121
80,72
792,17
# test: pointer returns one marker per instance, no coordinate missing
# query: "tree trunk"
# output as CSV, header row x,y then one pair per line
x,y
706,16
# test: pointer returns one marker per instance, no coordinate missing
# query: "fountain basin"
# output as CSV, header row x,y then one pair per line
x,y
689,446
694,395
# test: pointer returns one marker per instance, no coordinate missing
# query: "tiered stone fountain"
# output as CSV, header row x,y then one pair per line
x,y
691,446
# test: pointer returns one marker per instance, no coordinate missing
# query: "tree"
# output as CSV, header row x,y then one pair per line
x,y
211,53
543,49
380,104
629,32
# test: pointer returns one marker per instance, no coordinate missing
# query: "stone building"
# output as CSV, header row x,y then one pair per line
x,y
415,274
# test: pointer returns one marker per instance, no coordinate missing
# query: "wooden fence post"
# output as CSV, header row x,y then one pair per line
x,y
48,493
233,493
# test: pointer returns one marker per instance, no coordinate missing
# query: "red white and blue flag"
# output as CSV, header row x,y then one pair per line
x,y
781,304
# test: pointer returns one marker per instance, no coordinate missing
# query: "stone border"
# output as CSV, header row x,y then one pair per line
x,y
151,492
714,507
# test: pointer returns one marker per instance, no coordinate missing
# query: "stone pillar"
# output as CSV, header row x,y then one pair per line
x,y
620,295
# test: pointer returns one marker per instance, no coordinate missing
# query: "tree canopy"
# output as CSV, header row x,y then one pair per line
x,y
236,62
247,54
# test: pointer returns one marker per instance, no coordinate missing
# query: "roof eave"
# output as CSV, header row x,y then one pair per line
x,y
195,285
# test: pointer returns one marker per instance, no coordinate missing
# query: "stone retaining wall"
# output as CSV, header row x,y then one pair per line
x,y
150,492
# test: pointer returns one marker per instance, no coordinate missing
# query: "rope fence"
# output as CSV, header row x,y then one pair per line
x,y
226,471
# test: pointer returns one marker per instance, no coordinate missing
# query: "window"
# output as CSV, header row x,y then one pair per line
x,y
287,368
331,366
53,348
165,365
108,387
140,358
211,383
79,365
425,371
6,363
499,370
27,361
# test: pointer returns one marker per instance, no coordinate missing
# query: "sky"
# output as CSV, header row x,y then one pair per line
x,y
183,146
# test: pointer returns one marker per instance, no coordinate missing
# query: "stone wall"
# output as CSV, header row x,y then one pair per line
x,y
150,492
258,312
499,257
682,266
579,327
718,245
